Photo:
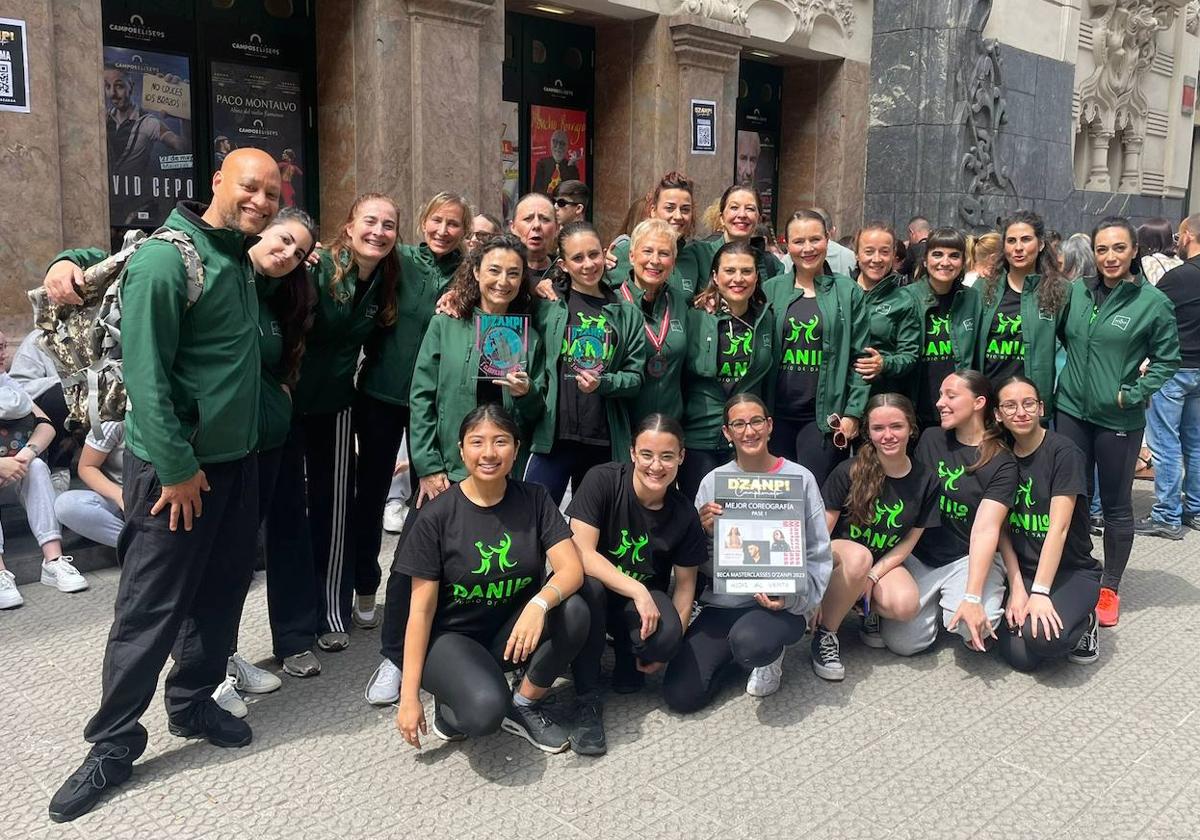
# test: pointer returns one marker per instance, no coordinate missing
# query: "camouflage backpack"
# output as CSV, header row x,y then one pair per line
x,y
85,340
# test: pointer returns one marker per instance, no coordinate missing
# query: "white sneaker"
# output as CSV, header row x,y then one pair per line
x,y
383,689
765,681
62,575
228,699
60,480
394,514
250,678
365,615
10,596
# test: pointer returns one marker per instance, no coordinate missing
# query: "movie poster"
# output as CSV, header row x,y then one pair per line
x,y
557,147
148,124
261,108
757,159
510,158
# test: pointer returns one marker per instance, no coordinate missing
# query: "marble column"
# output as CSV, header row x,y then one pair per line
x,y
1131,164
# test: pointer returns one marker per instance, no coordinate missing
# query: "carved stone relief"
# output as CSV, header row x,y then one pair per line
x,y
805,12
1191,17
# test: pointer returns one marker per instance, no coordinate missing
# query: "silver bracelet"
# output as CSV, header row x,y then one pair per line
x,y
557,591
972,599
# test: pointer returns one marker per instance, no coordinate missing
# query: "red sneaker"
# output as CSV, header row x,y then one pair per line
x,y
1108,607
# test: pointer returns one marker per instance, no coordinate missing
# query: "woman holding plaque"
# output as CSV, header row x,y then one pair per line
x,y
482,603
487,353
381,404
355,284
729,352
740,209
877,506
956,567
821,322
750,630
633,529
1053,581
893,323
601,343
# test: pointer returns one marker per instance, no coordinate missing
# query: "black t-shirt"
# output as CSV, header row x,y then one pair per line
x,y
796,386
735,350
937,356
902,504
1054,469
640,542
588,344
489,560
1004,355
1182,285
960,492
1100,293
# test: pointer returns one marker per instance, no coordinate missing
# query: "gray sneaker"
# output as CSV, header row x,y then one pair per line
x,y
1151,527
302,664
534,725
333,641
827,655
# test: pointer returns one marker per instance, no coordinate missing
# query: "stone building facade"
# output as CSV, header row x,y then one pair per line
x,y
959,109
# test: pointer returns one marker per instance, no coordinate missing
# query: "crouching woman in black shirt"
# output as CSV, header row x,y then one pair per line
x,y
1053,580
633,529
481,603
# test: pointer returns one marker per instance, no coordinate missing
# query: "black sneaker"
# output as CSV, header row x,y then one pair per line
x,y
208,720
587,735
626,678
105,767
868,631
441,728
827,655
534,725
1192,522
1151,527
1087,649
1096,525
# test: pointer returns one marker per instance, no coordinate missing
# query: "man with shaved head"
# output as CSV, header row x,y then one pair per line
x,y
190,477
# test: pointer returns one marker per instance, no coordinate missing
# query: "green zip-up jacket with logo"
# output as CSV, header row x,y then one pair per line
x,y
1105,350
326,384
1039,332
192,374
443,392
622,378
965,312
895,331
391,353
844,331
620,272
663,393
695,263
703,397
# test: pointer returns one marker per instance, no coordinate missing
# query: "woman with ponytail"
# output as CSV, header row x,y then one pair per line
x,y
958,572
877,506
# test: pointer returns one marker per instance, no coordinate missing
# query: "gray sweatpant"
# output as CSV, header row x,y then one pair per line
x,y
940,591
36,495
90,515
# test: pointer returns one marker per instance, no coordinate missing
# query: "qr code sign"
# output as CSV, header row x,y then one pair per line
x,y
704,135
6,79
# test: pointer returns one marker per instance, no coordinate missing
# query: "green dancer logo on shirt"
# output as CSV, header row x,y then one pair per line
x,y
808,327
740,344
874,538
631,549
950,477
737,369
499,552
492,592
1006,348
802,357
939,325
1022,517
937,346
892,512
593,321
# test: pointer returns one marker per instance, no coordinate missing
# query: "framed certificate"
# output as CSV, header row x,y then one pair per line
x,y
758,540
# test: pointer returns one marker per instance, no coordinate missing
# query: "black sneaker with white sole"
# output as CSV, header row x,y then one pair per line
x,y
868,631
532,723
442,729
105,767
1087,649
827,655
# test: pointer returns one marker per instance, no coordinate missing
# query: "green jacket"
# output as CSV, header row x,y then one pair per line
x,y
1039,333
695,263
443,392
622,377
275,416
964,318
896,331
1105,349
192,375
844,331
326,384
703,397
662,389
619,273
391,352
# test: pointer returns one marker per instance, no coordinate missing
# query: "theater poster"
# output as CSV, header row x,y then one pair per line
x,y
148,125
261,108
510,158
557,146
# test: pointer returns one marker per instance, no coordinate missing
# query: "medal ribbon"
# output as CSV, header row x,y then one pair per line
x,y
661,338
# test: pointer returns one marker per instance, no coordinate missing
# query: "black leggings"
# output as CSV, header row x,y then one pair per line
x,y
466,675
567,461
617,615
808,446
698,463
268,472
1114,454
60,451
379,428
748,636
1073,593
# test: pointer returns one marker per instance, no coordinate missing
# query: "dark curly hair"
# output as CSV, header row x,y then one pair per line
x,y
464,295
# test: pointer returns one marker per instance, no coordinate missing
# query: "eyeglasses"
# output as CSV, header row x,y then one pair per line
x,y
481,236
755,423
560,203
1009,408
667,459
